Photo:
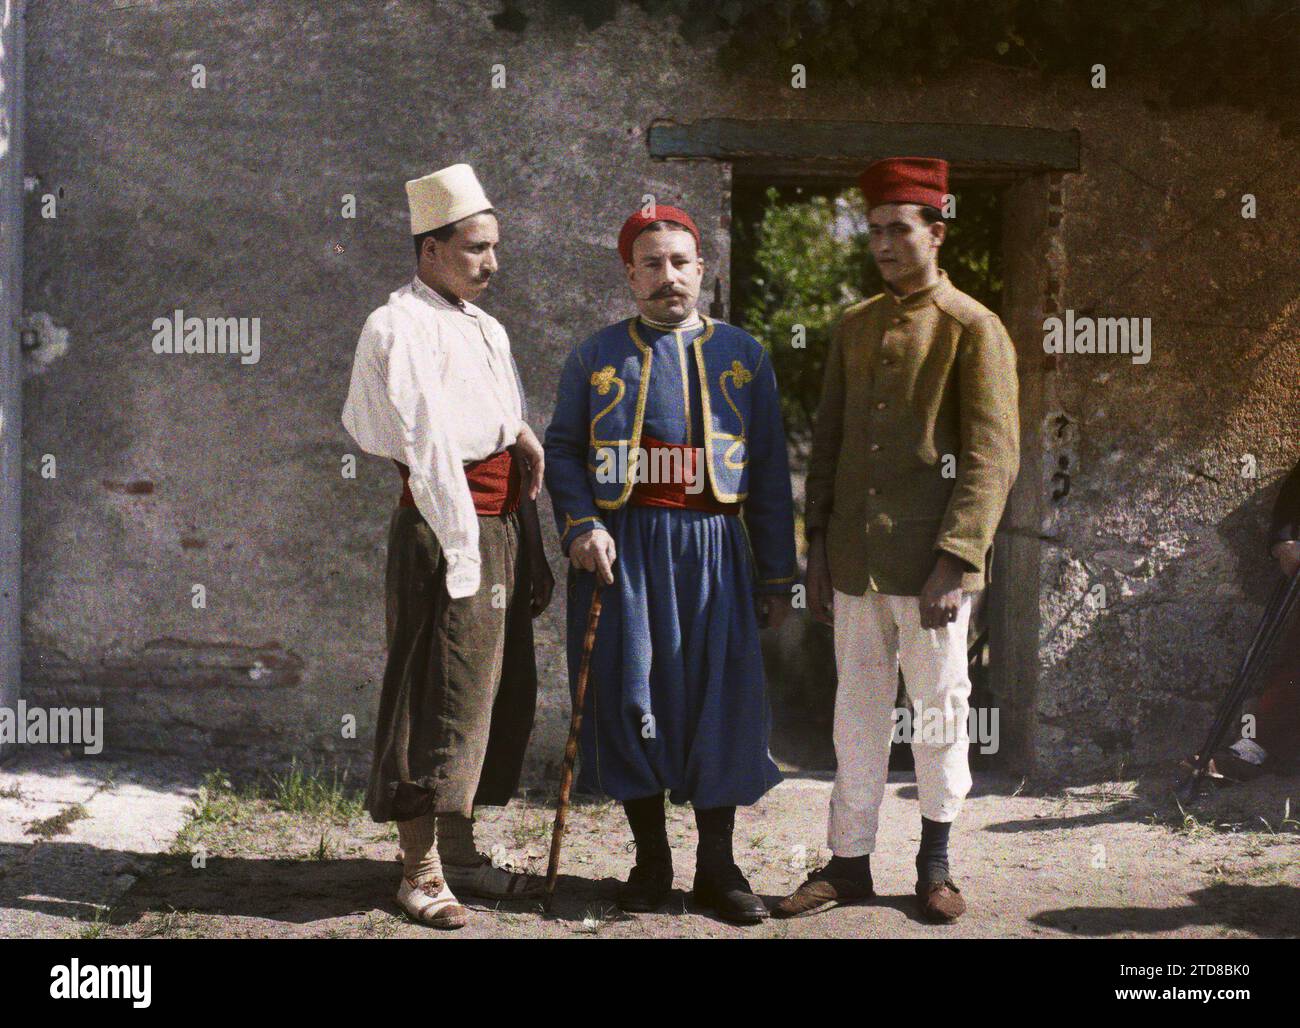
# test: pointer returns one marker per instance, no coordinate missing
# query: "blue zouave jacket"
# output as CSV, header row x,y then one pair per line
x,y
600,410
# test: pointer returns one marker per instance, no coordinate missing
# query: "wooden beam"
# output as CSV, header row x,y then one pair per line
x,y
1008,147
845,173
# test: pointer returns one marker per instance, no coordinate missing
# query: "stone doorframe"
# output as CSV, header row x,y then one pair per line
x,y
1031,164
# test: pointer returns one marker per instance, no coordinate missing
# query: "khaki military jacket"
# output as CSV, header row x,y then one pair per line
x,y
916,442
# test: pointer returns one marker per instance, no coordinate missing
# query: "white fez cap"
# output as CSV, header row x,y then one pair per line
x,y
443,197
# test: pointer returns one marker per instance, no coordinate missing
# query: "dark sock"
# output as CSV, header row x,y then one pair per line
x,y
932,857
649,827
716,826
856,869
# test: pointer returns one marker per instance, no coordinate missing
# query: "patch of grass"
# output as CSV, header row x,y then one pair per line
x,y
94,927
11,792
268,816
1287,820
533,827
1222,874
1192,826
300,791
325,849
58,824
186,840
594,920
170,924
218,802
380,925
1228,819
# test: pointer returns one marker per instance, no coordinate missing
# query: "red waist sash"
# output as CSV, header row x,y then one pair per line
x,y
674,494
493,484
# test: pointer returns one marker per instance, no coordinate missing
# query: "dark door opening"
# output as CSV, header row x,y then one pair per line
x,y
798,258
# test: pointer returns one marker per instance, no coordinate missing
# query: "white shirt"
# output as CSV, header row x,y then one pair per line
x,y
434,385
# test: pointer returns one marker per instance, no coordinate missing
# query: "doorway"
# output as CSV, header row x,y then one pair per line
x,y
798,258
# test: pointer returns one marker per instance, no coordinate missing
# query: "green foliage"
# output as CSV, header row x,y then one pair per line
x,y
1245,52
296,791
802,258
217,800
308,792
804,274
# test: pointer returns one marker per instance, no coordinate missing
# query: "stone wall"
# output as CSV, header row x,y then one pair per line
x,y
225,201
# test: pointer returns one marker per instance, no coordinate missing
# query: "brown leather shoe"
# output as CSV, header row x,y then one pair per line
x,y
820,893
941,902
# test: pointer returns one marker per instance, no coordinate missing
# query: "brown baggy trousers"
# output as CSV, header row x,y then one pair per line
x,y
460,684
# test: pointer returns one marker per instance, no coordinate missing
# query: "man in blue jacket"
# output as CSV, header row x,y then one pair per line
x,y
667,468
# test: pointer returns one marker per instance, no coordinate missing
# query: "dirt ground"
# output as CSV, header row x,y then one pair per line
x,y
1113,860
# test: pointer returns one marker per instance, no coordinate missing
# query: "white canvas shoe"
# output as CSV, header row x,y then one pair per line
x,y
433,904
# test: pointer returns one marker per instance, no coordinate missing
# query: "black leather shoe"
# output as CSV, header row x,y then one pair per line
x,y
647,887
725,891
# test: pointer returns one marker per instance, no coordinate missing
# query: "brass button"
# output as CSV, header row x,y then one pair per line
x,y
880,405
871,491
875,447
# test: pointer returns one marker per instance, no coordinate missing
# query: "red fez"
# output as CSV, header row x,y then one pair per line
x,y
905,180
635,224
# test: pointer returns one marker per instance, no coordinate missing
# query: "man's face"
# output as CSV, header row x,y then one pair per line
x,y
903,245
665,274
464,263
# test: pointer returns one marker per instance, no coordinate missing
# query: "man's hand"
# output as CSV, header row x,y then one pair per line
x,y
940,599
529,450
1288,556
594,551
773,609
820,591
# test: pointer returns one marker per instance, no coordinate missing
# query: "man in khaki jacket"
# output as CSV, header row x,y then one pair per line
x,y
915,448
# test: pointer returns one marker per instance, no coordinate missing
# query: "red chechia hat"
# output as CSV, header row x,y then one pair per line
x,y
905,180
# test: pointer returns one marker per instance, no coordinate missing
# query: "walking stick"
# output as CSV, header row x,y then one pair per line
x,y
571,747
1276,615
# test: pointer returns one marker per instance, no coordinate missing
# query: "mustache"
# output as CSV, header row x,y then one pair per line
x,y
666,292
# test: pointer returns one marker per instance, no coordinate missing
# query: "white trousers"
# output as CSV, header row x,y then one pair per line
x,y
874,635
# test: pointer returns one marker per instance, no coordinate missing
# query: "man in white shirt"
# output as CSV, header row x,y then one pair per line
x,y
435,388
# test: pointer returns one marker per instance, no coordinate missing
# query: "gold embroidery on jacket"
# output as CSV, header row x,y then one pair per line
x,y
603,380
575,522
709,433
739,375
